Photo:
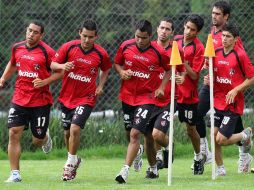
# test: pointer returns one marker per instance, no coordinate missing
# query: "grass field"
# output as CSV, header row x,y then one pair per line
x,y
100,173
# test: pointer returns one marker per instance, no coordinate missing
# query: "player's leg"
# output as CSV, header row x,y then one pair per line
x,y
17,119
203,108
142,115
78,121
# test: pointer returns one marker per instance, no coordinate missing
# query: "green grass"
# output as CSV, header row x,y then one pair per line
x,y
100,173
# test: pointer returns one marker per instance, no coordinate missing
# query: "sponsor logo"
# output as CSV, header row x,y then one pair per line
x,y
28,74
79,77
223,80
126,116
137,120
84,61
140,74
161,75
223,62
27,57
141,58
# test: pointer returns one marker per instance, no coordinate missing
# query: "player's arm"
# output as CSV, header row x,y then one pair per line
x,y
160,91
124,74
103,78
57,66
10,69
38,83
240,88
192,74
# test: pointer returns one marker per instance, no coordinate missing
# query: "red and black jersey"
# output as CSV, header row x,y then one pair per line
x,y
193,53
79,84
31,63
230,70
165,100
145,66
217,39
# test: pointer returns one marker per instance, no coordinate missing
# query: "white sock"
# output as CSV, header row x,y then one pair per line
x,y
154,169
221,166
197,156
15,173
126,166
159,154
72,159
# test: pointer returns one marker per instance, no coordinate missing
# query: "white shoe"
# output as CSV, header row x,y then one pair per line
x,y
138,162
14,177
220,171
244,163
123,175
48,146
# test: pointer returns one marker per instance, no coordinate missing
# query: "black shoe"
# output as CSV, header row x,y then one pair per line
x,y
165,156
199,166
151,175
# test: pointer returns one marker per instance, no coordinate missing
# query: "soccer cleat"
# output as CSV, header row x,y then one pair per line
x,y
70,171
220,171
47,147
150,174
244,163
208,157
138,162
123,175
198,167
14,178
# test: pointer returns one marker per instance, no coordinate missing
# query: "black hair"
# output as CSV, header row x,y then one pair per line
x,y
231,28
144,26
196,19
89,24
38,23
170,20
224,6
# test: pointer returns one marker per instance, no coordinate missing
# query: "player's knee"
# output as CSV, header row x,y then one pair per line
x,y
157,135
38,142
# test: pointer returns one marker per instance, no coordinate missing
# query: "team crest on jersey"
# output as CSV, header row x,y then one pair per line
x,y
18,64
163,123
37,66
151,67
93,70
231,72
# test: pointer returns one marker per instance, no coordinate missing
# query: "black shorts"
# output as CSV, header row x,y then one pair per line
x,y
160,118
137,117
187,113
229,123
35,117
77,116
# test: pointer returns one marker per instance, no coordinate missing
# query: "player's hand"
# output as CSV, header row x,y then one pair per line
x,y
126,74
206,80
159,93
206,64
230,97
38,83
98,91
179,79
68,66
2,82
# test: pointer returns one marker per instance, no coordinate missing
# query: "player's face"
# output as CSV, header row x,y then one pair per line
x,y
33,35
164,31
218,19
190,31
88,38
142,39
228,40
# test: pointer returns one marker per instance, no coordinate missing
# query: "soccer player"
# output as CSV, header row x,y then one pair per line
x,y
220,15
233,73
82,61
138,63
32,99
160,117
187,101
